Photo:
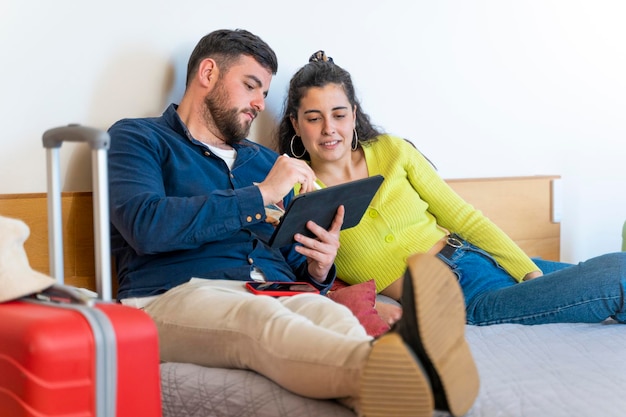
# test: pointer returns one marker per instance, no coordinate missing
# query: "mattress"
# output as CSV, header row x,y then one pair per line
x,y
196,391
548,370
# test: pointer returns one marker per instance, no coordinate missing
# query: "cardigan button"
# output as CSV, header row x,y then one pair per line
x,y
389,238
373,213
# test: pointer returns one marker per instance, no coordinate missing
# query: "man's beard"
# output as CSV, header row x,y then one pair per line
x,y
225,119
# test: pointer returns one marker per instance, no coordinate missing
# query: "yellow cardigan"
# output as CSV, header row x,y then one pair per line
x,y
404,215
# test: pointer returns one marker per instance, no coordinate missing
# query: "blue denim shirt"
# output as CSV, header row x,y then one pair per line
x,y
178,212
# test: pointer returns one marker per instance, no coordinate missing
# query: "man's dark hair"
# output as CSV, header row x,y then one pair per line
x,y
227,46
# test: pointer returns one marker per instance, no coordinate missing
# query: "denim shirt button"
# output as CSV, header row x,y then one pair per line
x,y
257,216
249,219
250,261
207,153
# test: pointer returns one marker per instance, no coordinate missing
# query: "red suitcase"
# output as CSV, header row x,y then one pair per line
x,y
63,354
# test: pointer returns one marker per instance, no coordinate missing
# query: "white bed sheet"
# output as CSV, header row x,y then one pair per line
x,y
552,370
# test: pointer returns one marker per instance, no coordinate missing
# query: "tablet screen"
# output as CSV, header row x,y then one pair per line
x,y
320,206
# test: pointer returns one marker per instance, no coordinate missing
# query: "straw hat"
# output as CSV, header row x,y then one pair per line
x,y
17,278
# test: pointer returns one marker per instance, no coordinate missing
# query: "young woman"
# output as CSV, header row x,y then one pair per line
x,y
416,211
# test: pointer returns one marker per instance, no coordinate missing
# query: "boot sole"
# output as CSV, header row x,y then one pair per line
x,y
393,383
440,315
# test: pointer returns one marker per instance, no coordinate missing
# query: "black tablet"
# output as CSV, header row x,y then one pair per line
x,y
321,206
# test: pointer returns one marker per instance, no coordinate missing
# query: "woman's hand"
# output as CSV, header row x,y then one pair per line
x,y
322,250
532,275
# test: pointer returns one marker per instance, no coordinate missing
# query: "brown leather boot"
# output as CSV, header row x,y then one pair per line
x,y
433,325
393,382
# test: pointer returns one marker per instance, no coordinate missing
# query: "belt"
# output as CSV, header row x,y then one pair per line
x,y
453,242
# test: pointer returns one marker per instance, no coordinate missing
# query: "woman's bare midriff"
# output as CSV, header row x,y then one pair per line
x,y
394,290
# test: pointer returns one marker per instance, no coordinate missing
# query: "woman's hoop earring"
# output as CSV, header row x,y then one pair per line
x,y
355,141
291,147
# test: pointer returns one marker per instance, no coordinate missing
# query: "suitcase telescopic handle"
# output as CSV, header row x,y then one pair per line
x,y
99,142
95,138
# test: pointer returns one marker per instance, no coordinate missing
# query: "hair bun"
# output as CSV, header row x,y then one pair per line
x,y
320,56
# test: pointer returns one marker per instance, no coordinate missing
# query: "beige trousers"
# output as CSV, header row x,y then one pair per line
x,y
306,343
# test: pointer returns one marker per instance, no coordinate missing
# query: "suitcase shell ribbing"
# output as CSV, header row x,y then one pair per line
x,y
48,362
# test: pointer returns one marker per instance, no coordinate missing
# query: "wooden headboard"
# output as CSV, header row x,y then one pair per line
x,y
521,206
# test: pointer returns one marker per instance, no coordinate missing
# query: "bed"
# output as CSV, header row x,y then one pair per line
x,y
548,370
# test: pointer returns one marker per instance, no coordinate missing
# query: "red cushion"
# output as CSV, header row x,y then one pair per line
x,y
361,299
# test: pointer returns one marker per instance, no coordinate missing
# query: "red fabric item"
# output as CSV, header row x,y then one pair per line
x,y
360,299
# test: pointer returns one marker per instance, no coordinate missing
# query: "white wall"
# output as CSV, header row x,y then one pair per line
x,y
484,88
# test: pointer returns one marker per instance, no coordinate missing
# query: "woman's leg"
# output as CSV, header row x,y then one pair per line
x,y
589,292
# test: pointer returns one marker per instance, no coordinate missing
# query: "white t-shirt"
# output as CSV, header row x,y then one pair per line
x,y
227,155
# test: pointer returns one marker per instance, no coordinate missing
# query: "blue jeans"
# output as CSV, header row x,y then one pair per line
x,y
588,292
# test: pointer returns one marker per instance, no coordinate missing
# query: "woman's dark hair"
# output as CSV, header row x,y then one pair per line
x,y
319,72
227,46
